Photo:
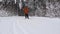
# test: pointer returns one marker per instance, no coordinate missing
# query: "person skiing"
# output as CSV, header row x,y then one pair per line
x,y
26,10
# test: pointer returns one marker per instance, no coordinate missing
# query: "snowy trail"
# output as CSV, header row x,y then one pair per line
x,y
34,25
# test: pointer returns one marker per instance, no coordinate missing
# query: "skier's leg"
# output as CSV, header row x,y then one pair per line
x,y
27,16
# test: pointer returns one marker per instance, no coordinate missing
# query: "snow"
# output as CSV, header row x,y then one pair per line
x,y
34,25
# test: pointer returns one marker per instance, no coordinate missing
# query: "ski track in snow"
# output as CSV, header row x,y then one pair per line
x,y
34,25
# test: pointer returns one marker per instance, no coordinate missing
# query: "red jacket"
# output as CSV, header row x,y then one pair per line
x,y
26,10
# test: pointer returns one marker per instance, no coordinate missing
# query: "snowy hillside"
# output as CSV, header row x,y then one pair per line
x,y
34,25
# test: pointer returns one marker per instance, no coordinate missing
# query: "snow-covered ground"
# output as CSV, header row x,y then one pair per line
x,y
34,25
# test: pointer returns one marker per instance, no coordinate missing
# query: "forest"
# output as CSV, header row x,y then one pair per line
x,y
41,8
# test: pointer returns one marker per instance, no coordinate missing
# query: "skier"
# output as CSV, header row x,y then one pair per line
x,y
26,10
